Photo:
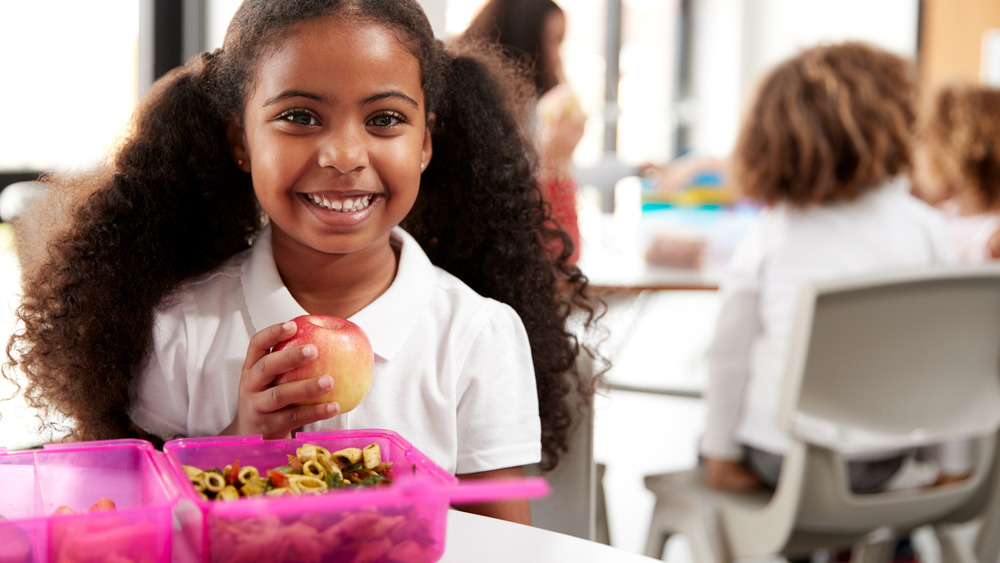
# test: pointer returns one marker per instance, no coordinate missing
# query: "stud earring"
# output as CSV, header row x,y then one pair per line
x,y
239,162
422,165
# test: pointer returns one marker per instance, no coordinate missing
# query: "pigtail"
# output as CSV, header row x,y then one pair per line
x,y
481,216
172,205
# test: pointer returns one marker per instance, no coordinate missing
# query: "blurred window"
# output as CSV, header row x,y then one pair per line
x,y
72,83
69,71
637,126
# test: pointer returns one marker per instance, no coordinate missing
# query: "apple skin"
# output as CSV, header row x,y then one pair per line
x,y
345,354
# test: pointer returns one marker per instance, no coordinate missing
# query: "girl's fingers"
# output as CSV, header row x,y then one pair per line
x,y
276,410
276,363
288,394
308,414
282,422
262,342
271,409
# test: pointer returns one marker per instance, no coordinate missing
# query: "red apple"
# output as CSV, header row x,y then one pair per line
x,y
345,354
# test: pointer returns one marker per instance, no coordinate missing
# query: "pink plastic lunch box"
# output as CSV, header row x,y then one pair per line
x,y
47,495
404,522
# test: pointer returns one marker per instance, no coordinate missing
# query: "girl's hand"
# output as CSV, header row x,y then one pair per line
x,y
268,409
730,475
950,478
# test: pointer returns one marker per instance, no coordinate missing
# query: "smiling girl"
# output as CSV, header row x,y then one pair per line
x,y
291,172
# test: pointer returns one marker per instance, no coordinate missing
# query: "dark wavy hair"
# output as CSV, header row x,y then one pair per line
x,y
827,125
172,205
517,26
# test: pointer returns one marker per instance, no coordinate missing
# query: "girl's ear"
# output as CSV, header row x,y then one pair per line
x,y
428,149
238,145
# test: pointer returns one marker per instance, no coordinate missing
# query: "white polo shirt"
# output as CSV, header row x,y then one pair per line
x,y
453,370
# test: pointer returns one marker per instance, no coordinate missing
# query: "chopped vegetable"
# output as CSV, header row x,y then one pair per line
x,y
234,473
279,479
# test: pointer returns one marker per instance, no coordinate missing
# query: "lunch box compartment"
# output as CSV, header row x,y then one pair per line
x,y
403,522
74,476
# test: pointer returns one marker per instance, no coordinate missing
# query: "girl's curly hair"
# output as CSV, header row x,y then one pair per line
x,y
826,125
173,205
959,143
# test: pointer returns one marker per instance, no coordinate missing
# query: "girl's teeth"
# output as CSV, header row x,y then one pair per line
x,y
346,205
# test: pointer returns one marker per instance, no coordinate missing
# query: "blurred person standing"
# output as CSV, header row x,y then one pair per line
x,y
531,32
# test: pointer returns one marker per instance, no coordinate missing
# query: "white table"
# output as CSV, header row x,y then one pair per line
x,y
613,248
625,270
648,277
487,540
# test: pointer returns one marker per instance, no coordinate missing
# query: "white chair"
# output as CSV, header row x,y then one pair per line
x,y
885,362
575,506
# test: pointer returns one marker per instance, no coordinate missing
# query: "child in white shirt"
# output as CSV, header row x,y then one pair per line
x,y
824,147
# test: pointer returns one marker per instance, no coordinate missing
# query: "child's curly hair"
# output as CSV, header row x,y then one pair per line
x,y
826,125
173,205
958,142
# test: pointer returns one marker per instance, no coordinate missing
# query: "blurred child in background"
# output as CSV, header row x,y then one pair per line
x,y
531,32
958,163
825,148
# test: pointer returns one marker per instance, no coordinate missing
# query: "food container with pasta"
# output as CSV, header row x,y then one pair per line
x,y
87,502
388,501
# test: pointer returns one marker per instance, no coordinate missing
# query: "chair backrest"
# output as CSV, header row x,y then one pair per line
x,y
896,360
889,362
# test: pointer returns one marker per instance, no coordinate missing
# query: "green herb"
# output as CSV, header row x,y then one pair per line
x,y
372,480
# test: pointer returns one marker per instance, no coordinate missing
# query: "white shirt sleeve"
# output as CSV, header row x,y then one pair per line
x,y
498,422
160,394
728,353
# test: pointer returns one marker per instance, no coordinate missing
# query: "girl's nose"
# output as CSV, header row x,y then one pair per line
x,y
344,149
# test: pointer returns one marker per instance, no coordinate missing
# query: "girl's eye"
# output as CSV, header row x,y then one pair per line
x,y
298,117
387,119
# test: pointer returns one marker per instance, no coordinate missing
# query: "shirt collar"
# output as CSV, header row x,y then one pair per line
x,y
388,321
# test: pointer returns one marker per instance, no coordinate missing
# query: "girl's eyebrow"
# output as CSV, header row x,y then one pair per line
x,y
309,95
391,94
293,94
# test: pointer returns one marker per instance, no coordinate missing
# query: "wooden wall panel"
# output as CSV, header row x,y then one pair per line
x,y
951,38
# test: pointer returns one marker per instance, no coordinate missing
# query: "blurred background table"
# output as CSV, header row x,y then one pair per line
x,y
645,300
658,324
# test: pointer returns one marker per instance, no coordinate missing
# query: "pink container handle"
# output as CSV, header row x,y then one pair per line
x,y
472,491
